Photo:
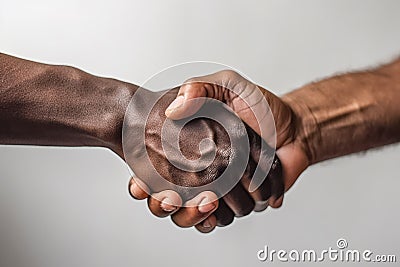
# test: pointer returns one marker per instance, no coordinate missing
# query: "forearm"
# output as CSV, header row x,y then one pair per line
x,y
59,105
348,113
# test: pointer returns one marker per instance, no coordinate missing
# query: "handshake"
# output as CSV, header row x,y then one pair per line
x,y
216,148
203,153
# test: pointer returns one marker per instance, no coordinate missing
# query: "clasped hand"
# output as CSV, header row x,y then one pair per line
x,y
207,208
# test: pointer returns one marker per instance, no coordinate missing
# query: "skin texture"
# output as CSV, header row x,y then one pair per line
x,y
330,118
239,202
289,147
349,113
58,105
62,106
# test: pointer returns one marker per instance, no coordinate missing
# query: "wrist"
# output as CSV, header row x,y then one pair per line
x,y
57,105
117,96
105,102
306,126
348,113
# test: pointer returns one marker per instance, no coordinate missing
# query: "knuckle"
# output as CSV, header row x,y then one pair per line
x,y
245,210
229,74
182,224
193,80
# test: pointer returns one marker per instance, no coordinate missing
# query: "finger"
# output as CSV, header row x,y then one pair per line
x,y
262,193
271,190
223,214
208,225
189,100
137,189
261,205
239,201
196,209
277,185
261,156
211,86
164,203
271,186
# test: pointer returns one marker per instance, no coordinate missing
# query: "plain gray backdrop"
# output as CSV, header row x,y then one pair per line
x,y
70,207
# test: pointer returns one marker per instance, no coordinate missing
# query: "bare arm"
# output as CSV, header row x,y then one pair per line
x,y
44,104
59,105
330,118
348,113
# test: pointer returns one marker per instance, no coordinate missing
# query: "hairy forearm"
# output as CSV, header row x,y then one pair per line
x,y
59,105
348,113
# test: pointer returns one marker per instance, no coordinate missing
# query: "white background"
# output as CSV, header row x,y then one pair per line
x,y
70,207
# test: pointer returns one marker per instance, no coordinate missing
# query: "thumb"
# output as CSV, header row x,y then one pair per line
x,y
191,97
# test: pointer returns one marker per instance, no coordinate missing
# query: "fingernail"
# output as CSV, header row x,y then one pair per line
x,y
206,206
206,224
175,104
135,190
167,206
